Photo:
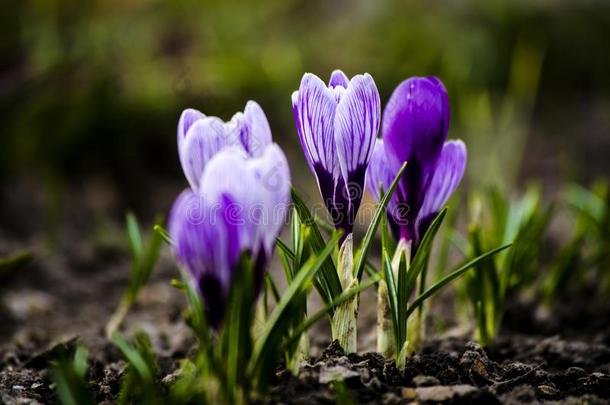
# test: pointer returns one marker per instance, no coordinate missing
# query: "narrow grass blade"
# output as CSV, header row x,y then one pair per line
x,y
236,334
152,253
401,267
421,256
158,229
452,276
325,226
345,296
361,254
272,287
265,348
284,248
328,278
134,238
70,377
134,358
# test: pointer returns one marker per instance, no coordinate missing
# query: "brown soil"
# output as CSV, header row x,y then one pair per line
x,y
65,295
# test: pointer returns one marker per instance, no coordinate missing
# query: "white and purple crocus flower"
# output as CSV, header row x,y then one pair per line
x,y
414,130
337,126
237,201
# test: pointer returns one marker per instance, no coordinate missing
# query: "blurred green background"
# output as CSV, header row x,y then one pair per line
x,y
95,88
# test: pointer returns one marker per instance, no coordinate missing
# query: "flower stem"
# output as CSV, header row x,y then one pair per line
x,y
344,322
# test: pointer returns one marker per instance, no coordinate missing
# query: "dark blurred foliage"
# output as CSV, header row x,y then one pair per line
x,y
97,86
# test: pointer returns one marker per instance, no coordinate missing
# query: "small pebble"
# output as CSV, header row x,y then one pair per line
x,y
425,381
547,390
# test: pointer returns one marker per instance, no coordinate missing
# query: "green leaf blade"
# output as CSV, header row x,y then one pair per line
x,y
361,254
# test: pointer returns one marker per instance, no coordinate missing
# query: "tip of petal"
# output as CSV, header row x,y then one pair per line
x,y
338,78
309,78
458,145
252,104
295,98
188,117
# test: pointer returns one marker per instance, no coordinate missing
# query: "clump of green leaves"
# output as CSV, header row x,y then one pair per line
x,y
233,362
496,221
347,274
71,378
400,277
143,259
140,381
585,258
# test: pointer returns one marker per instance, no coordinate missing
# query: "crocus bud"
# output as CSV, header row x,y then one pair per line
x,y
337,126
201,137
414,129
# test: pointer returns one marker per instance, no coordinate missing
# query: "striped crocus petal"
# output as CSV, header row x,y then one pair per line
x,y
228,173
272,175
253,128
314,107
355,131
207,246
187,119
259,188
447,176
202,141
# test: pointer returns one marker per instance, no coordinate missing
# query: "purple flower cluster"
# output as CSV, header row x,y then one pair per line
x,y
240,181
337,126
237,202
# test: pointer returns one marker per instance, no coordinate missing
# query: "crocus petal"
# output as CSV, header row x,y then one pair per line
x,y
207,246
260,189
380,175
414,129
338,78
187,118
314,109
415,123
227,173
356,125
273,183
203,140
447,176
254,133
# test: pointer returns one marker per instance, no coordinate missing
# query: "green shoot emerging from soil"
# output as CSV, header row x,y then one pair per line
x,y
143,260
497,222
400,281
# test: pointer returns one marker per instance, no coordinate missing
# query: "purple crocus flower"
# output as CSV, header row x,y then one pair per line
x,y
237,203
337,126
414,129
